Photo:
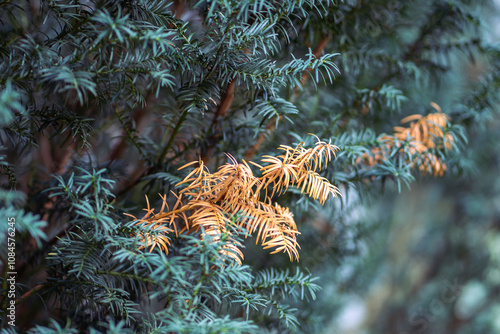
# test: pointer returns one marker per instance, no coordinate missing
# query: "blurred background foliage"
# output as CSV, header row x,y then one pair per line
x,y
102,101
432,264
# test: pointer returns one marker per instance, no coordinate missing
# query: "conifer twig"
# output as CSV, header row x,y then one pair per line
x,y
225,104
181,120
305,75
29,293
272,122
138,117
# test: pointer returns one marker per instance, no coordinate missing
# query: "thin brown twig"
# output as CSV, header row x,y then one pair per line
x,y
224,106
305,75
139,114
140,170
29,293
272,122
225,103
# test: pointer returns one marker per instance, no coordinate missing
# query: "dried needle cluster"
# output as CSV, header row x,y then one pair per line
x,y
209,200
424,134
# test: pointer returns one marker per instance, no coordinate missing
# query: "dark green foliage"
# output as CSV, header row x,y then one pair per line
x,y
102,101
194,285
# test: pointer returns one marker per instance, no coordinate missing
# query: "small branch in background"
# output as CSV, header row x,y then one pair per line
x,y
260,140
272,122
134,177
62,162
29,293
138,119
225,103
45,153
12,177
178,8
224,106
167,147
305,75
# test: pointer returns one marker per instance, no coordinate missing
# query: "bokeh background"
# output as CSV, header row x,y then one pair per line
x,y
428,258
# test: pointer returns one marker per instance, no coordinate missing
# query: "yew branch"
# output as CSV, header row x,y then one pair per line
x,y
272,122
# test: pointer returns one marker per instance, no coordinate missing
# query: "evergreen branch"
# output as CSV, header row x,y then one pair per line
x,y
128,131
252,150
167,147
306,74
233,189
